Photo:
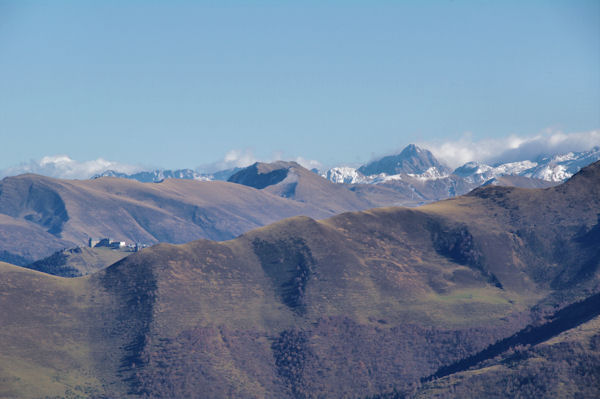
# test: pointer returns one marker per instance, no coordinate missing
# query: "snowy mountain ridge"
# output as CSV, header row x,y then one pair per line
x,y
555,168
344,175
158,175
410,165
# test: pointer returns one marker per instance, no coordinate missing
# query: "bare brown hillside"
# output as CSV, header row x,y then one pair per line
x,y
356,305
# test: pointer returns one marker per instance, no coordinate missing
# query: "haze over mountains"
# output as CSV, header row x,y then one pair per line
x,y
415,177
183,205
413,161
495,292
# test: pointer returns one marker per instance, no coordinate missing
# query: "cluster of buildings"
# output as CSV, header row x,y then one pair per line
x,y
116,245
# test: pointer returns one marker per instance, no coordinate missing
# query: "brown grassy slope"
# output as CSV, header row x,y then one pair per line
x,y
172,211
47,340
553,233
346,307
393,293
227,309
275,314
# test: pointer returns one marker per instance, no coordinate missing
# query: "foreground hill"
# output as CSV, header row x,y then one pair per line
x,y
355,305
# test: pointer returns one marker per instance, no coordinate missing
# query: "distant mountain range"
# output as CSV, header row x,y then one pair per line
x,y
417,162
158,175
556,168
415,176
411,161
184,205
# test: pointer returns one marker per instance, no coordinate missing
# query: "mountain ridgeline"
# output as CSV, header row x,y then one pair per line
x,y
183,205
376,303
410,178
413,161
41,215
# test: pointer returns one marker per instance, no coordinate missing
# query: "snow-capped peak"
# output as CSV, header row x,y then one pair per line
x,y
344,174
431,173
514,168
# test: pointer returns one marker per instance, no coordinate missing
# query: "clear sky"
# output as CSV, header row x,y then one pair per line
x,y
181,83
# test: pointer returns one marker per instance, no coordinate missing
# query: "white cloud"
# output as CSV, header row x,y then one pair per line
x,y
454,153
235,158
512,148
238,158
308,163
64,167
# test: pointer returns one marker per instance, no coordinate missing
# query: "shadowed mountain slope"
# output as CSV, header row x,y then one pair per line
x,y
22,241
564,366
568,318
350,306
541,361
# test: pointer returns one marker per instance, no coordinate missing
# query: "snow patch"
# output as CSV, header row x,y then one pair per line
x,y
344,175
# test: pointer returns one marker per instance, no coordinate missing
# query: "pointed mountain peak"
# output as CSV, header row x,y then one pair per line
x,y
412,159
412,149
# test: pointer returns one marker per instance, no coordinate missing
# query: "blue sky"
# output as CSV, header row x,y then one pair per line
x,y
181,83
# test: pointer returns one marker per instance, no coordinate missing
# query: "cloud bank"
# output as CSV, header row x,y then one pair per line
x,y
236,158
453,153
512,148
64,167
